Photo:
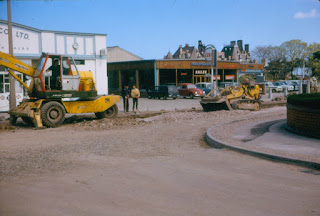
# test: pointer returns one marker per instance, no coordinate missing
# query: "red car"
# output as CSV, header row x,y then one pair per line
x,y
190,90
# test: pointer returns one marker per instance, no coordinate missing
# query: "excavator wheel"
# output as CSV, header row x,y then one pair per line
x,y
52,114
109,113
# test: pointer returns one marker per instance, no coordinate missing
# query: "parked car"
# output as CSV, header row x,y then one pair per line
x,y
190,90
269,85
226,84
164,91
205,86
284,85
294,83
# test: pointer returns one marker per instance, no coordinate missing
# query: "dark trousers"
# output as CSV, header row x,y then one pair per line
x,y
126,104
135,102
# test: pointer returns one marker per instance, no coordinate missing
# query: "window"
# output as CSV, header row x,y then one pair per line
x,y
68,67
79,62
1,83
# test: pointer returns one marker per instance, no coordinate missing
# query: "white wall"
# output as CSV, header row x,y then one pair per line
x,y
29,43
47,42
101,65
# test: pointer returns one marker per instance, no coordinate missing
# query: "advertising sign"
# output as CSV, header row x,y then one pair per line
x,y
214,77
229,77
24,40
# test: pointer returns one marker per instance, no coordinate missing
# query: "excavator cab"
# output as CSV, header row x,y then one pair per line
x,y
56,73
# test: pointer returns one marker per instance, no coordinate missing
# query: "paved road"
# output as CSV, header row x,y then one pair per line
x,y
162,168
211,182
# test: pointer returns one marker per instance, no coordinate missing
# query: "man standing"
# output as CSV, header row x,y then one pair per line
x,y
125,95
135,94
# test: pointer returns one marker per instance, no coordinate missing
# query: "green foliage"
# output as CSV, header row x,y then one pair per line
x,y
289,55
279,68
305,100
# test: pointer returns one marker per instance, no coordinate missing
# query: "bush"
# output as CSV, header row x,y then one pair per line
x,y
305,100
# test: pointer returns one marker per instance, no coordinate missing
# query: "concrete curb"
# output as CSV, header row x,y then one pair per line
x,y
216,143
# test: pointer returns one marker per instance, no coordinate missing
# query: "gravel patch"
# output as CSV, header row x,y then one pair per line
x,y
83,139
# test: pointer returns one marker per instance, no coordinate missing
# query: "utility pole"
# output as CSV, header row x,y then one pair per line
x,y
10,43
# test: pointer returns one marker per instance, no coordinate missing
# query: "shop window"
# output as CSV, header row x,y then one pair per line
x,y
6,78
6,88
1,84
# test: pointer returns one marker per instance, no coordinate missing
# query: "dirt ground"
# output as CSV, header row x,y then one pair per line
x,y
151,164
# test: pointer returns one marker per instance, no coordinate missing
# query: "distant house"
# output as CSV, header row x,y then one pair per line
x,y
232,52
186,52
117,54
235,52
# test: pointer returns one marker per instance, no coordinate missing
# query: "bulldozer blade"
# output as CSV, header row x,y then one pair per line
x,y
213,105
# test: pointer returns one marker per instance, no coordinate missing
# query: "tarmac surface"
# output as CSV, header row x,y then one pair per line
x,y
268,139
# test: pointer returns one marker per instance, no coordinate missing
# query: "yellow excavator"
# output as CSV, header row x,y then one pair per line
x,y
245,96
53,94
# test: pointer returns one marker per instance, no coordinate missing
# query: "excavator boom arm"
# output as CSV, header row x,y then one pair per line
x,y
14,64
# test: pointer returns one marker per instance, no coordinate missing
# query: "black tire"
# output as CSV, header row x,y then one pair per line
x,y
13,119
53,114
174,98
273,91
112,112
27,120
191,96
149,97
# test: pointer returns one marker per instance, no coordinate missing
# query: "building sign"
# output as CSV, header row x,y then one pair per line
x,y
214,77
200,72
229,77
24,41
252,71
200,64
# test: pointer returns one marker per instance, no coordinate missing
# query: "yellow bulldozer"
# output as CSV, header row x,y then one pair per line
x,y
57,90
245,96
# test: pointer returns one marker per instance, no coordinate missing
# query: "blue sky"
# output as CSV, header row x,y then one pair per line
x,y
150,28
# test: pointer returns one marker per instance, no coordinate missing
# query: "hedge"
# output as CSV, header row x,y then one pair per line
x,y
305,100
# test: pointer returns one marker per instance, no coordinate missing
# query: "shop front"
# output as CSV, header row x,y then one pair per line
x,y
146,74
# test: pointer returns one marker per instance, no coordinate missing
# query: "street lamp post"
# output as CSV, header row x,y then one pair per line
x,y
210,54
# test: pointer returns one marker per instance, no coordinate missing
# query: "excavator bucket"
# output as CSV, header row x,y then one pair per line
x,y
210,104
29,111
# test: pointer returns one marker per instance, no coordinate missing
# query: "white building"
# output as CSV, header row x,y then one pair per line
x,y
29,43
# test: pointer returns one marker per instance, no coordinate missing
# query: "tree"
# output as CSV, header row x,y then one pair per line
x,y
277,53
289,55
295,52
279,68
312,61
294,49
262,52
